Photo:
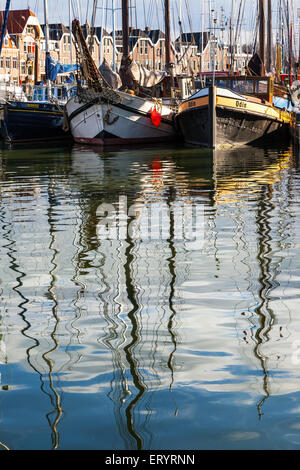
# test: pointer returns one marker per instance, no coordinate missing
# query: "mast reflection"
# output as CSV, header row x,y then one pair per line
x,y
126,322
262,318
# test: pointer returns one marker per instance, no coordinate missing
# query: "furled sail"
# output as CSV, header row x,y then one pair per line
x,y
134,74
110,77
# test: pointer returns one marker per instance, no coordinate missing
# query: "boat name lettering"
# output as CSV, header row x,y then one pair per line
x,y
32,105
241,104
192,104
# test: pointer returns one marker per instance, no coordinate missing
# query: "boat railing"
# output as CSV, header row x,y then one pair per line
x,y
12,91
260,87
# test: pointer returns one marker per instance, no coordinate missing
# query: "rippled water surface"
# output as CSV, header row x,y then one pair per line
x,y
149,342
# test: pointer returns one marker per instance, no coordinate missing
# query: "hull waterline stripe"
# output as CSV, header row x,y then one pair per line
x,y
55,113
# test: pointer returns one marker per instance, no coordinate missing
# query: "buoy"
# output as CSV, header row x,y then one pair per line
x,y
155,117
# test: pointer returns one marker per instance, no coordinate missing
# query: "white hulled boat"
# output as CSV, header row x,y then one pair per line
x,y
100,114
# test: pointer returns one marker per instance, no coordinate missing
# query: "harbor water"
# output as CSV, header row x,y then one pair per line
x,y
149,298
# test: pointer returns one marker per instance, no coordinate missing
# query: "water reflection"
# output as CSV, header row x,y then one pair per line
x,y
138,334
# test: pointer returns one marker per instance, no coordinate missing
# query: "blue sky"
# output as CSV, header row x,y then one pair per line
x,y
58,11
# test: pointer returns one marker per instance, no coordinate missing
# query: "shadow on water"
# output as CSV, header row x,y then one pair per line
x,y
137,284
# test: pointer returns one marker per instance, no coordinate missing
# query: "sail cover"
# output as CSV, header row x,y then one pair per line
x,y
111,77
53,69
133,73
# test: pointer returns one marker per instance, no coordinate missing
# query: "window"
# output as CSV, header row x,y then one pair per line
x,y
106,44
15,62
141,47
29,47
66,43
1,62
146,47
23,68
8,63
30,30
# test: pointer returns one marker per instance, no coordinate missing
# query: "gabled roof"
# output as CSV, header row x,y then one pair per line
x,y
97,31
134,36
17,20
155,35
194,39
56,31
11,43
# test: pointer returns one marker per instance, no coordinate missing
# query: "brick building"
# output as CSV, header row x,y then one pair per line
x,y
9,61
24,29
23,54
204,52
59,46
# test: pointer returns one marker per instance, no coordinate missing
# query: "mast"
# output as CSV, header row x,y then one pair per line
x,y
4,24
101,35
114,33
231,46
180,26
79,11
269,37
47,44
289,40
168,36
70,28
262,25
125,28
291,53
202,35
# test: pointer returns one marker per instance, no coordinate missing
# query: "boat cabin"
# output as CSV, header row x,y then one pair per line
x,y
262,88
58,92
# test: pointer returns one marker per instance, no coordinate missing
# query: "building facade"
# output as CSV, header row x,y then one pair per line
x,y
24,51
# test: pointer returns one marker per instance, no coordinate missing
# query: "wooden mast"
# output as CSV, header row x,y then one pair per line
x,y
47,46
269,37
125,28
290,41
168,36
262,26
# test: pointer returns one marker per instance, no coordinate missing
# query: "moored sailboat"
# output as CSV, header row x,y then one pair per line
x,y
216,117
42,117
237,110
102,115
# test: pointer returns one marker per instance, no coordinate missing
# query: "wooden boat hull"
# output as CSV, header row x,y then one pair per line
x,y
127,122
230,121
296,127
28,122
